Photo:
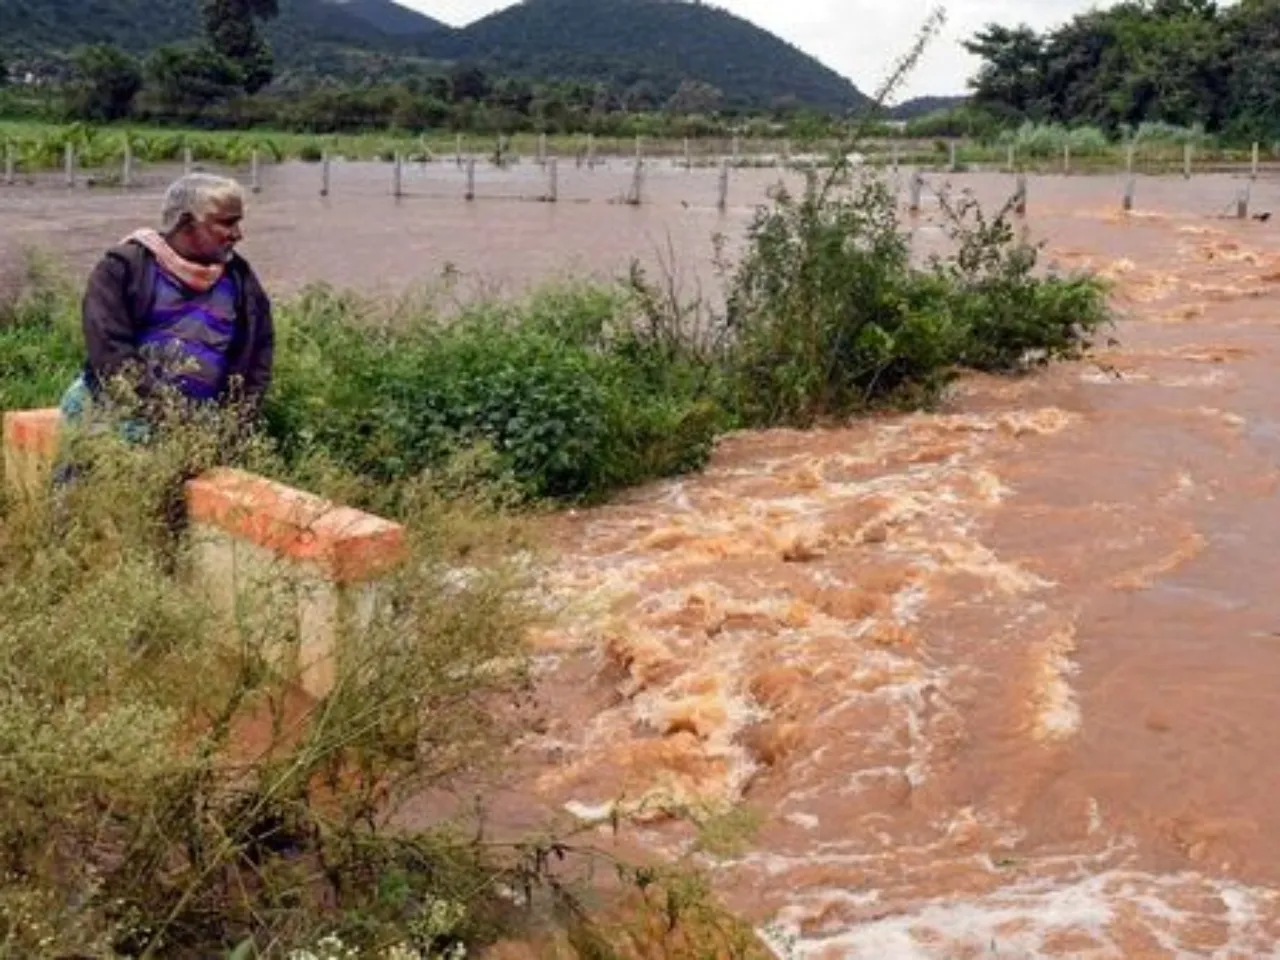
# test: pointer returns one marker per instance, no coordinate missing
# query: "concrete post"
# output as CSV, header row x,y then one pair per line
x,y
1020,203
553,180
187,160
471,178
723,203
639,147
397,177
953,165
1129,156
1130,189
1066,158
70,162
126,171
637,183
917,187
1253,165
1186,161
1242,202
255,173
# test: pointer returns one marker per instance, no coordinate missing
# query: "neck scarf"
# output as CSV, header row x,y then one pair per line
x,y
200,277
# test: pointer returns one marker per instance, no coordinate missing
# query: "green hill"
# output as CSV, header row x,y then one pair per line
x,y
659,42
29,28
642,50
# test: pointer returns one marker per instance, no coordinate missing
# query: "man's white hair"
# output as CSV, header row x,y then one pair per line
x,y
194,195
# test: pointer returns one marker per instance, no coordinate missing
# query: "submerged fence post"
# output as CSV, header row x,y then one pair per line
x,y
324,174
397,177
1253,165
1020,197
1066,158
637,183
70,161
553,180
1242,202
471,179
722,202
126,168
255,173
457,150
917,188
688,155
1186,161
10,163
1130,188
187,159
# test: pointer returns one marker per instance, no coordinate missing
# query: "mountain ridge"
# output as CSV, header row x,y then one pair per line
x,y
643,50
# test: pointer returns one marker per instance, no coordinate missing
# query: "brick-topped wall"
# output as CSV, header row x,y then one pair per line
x,y
312,566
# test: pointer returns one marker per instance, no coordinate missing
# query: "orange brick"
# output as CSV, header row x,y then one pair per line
x,y
32,431
348,545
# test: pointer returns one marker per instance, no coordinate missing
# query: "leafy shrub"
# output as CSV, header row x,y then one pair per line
x,y
568,412
829,315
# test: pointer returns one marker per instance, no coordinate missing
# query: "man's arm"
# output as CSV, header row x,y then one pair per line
x,y
260,361
109,334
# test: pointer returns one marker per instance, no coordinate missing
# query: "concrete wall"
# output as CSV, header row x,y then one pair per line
x,y
281,566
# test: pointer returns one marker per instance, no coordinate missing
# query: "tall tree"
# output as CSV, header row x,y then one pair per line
x,y
107,80
231,27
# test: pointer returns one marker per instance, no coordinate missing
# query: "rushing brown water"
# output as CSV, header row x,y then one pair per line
x,y
998,681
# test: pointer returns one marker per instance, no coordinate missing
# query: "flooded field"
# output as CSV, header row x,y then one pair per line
x,y
996,681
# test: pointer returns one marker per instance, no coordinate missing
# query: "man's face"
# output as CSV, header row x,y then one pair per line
x,y
213,238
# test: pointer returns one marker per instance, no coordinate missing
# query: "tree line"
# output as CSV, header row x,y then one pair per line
x,y
1181,62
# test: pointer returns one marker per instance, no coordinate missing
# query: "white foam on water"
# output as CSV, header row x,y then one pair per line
x,y
1109,915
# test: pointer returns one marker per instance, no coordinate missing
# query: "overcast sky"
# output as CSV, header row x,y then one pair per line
x,y
858,38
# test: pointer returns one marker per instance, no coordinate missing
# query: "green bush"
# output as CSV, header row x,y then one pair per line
x,y
829,315
547,384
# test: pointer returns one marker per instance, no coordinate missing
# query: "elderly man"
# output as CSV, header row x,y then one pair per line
x,y
178,311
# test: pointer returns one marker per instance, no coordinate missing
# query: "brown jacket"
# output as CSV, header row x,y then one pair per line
x,y
115,307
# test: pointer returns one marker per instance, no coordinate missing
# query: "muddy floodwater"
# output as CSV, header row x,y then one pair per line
x,y
1000,681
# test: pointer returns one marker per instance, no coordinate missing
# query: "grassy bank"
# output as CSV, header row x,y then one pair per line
x,y
134,818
